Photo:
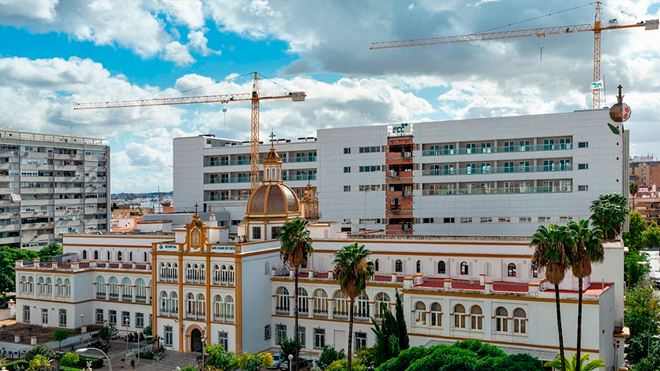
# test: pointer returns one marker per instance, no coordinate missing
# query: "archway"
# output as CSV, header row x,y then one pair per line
x,y
196,340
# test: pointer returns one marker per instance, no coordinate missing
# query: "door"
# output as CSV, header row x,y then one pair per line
x,y
341,340
196,340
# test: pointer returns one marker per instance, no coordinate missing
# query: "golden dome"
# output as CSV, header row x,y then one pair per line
x,y
270,199
272,157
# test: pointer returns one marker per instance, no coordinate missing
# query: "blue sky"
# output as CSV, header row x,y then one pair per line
x,y
54,53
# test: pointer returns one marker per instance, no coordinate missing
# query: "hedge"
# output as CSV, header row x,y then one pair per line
x,y
96,362
11,366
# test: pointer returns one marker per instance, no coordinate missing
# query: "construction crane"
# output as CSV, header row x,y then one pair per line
x,y
596,28
254,97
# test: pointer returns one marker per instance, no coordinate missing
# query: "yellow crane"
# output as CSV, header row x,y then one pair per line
x,y
253,96
596,28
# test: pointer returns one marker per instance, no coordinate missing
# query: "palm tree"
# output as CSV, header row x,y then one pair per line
x,y
608,213
550,252
633,191
574,365
353,271
587,249
296,248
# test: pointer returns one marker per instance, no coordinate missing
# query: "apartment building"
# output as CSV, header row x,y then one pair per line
x,y
51,185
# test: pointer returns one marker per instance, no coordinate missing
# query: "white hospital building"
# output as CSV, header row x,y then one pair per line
x,y
200,281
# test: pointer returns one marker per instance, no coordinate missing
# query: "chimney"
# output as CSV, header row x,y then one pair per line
x,y
407,282
292,273
447,284
310,273
393,276
488,288
533,288
331,274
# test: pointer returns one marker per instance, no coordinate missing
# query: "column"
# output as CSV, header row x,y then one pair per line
x,y
273,307
133,293
310,307
331,308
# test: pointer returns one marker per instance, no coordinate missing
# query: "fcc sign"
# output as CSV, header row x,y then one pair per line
x,y
404,128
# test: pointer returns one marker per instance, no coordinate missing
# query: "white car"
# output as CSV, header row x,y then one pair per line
x,y
277,359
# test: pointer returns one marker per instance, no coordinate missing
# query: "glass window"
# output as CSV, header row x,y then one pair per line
x,y
441,267
501,321
223,339
464,268
319,338
125,318
360,340
511,270
436,315
112,317
519,321
139,320
302,334
459,316
420,314
44,317
26,314
267,332
99,316
476,318
398,266
168,335
62,318
280,332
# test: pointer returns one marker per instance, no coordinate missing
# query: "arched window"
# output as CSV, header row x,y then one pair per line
x,y
535,272
441,267
341,304
398,266
418,267
201,275
303,307
420,314
130,256
361,309
229,309
464,268
164,303
40,285
230,277
175,272
215,273
476,318
283,304
59,290
174,303
379,300
189,272
84,255
436,315
23,284
140,291
100,287
218,309
190,305
162,272
49,286
96,255
108,255
201,306
113,289
320,303
377,265
501,320
67,287
126,289
519,321
459,316
119,256
145,257
511,270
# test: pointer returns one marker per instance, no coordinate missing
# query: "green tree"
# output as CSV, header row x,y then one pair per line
x,y
652,361
586,248
39,363
59,335
295,249
342,365
47,252
641,306
288,347
147,331
218,357
41,350
329,355
353,271
265,359
8,256
633,239
550,252
636,267
245,361
651,236
391,334
69,359
105,333
633,191
404,342
608,213
574,365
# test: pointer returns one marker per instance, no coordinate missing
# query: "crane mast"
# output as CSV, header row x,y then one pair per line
x,y
254,97
596,28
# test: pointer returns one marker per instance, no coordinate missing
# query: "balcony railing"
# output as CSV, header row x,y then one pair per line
x,y
501,190
527,148
499,170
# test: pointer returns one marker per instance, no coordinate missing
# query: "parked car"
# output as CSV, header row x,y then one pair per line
x,y
277,359
303,364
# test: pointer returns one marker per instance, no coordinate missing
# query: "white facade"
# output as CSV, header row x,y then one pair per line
x,y
492,176
51,185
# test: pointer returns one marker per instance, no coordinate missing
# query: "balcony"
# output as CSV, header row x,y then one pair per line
x,y
100,295
497,170
509,149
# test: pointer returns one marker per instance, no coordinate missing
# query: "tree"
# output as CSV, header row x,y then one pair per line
x,y
329,355
633,191
633,239
295,249
47,252
391,334
342,365
8,256
69,359
147,331
586,248
608,213
41,350
218,357
404,342
59,335
551,246
574,365
288,347
636,267
641,306
39,363
651,236
353,271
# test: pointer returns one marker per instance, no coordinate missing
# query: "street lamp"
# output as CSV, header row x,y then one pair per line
x,y
290,357
126,322
82,323
83,350
648,343
203,351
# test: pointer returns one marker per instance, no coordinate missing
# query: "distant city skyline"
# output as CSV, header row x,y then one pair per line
x,y
55,53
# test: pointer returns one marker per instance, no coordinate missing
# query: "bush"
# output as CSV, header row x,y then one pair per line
x,y
406,358
96,362
147,355
342,365
42,350
328,356
69,359
12,366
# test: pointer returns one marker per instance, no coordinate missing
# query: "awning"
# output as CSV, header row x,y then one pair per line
x,y
543,355
15,197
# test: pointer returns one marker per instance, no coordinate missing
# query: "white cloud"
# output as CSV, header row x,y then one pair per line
x,y
15,11
198,42
178,53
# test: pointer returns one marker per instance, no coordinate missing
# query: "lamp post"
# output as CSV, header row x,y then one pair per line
x,y
82,323
203,351
83,350
290,357
648,343
126,322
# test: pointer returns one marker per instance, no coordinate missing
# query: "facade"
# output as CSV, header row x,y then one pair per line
x,y
493,176
645,171
51,185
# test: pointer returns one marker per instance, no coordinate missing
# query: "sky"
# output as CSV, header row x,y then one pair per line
x,y
54,53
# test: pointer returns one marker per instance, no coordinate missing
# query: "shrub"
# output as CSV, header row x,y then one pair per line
x,y
328,356
69,359
39,349
13,366
96,362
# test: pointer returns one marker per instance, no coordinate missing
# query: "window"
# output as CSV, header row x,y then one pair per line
x,y
84,255
223,339
303,306
320,303
347,169
280,332
119,256
360,340
449,220
139,320
372,149
436,315
381,303
418,267
319,338
504,219
459,316
347,188
471,148
302,334
168,336
486,219
398,266
583,144
256,233
535,272
267,332
125,318
501,320
62,318
464,268
448,149
377,265
485,147
476,318
519,321
466,220
347,151
99,316
44,317
583,166
583,188
525,219
26,314
369,169
282,296
509,146
420,314
441,267
112,317
428,220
